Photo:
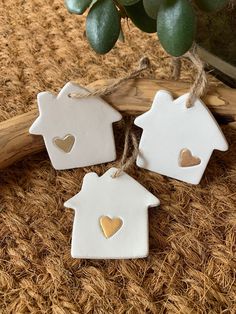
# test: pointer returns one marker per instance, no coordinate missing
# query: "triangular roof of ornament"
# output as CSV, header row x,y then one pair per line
x,y
108,185
165,107
51,103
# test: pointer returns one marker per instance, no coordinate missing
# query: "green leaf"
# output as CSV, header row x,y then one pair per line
x,y
103,26
176,25
139,17
151,7
77,6
128,2
211,5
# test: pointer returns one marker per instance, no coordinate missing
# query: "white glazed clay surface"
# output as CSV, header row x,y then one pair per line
x,y
168,128
88,120
121,197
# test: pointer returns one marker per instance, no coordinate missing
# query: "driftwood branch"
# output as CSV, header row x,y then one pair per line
x,y
134,97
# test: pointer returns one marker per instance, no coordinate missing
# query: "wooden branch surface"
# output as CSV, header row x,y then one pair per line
x,y
133,97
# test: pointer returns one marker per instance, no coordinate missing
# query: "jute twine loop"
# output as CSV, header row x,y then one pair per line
x,y
125,162
197,90
199,86
176,68
144,64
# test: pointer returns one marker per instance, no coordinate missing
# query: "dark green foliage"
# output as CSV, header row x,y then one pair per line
x,y
77,6
103,26
211,5
173,20
151,7
139,17
176,24
128,2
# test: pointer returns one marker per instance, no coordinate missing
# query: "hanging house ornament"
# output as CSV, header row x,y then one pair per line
x,y
178,141
77,131
111,217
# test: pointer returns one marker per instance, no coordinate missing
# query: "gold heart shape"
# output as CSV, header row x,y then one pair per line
x,y
110,225
65,143
186,159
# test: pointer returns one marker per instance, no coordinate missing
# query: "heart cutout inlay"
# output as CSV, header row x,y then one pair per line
x,y
110,225
186,159
65,143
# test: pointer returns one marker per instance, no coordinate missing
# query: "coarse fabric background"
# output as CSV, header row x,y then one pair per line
x,y
191,266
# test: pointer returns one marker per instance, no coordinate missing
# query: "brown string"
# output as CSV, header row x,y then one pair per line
x,y
125,162
196,91
199,86
176,68
144,64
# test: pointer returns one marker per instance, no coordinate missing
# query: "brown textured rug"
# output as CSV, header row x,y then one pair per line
x,y
191,267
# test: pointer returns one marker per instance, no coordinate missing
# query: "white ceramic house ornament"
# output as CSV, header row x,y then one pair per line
x,y
178,141
76,132
111,217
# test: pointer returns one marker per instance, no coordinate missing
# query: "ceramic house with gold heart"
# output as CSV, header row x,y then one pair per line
x,y
178,141
111,217
76,132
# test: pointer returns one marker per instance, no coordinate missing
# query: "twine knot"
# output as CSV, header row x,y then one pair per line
x,y
126,162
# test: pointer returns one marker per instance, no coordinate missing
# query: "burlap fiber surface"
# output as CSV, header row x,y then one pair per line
x,y
191,267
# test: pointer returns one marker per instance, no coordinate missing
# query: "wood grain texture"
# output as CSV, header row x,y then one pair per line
x,y
137,95
15,140
134,97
